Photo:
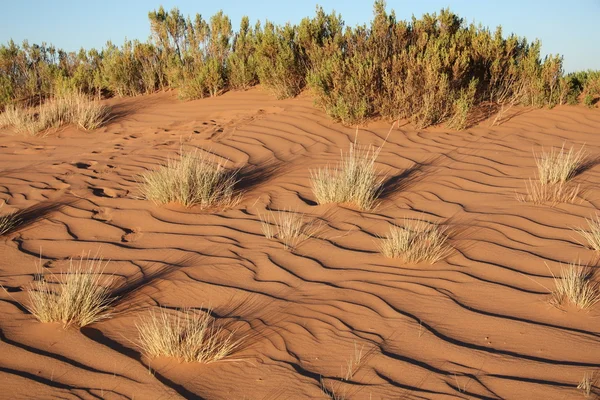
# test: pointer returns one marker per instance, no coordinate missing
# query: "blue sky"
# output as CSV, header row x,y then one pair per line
x,y
566,27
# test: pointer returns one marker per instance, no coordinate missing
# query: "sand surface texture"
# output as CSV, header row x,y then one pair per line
x,y
477,324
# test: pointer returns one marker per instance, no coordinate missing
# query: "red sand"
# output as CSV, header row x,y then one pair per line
x,y
475,325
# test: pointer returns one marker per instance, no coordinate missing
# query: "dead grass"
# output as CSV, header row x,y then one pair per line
x,y
416,241
576,285
8,221
289,227
352,180
557,165
539,193
72,108
354,363
192,179
79,297
587,383
591,236
190,335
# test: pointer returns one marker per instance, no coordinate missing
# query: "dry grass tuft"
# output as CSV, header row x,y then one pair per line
x,y
587,383
72,108
576,285
354,363
288,226
539,193
193,179
79,297
416,241
591,236
191,337
8,221
352,180
558,165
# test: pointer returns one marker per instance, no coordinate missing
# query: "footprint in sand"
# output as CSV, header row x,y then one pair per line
x,y
131,235
108,192
102,214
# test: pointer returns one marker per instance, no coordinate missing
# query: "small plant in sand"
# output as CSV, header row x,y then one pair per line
x,y
576,285
8,221
416,241
79,297
352,180
288,226
72,108
592,235
354,363
539,193
191,336
192,179
558,166
587,383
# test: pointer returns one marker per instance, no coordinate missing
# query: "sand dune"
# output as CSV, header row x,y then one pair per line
x,y
477,324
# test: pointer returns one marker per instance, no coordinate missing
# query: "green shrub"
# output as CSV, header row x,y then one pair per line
x,y
278,61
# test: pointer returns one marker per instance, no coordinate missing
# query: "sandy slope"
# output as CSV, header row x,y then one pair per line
x,y
476,325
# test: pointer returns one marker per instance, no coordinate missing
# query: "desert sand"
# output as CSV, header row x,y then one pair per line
x,y
477,324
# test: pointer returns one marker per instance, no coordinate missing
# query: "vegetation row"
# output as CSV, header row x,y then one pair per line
x,y
430,70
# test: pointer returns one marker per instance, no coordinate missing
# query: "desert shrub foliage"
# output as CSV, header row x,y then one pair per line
x,y
78,297
189,335
192,179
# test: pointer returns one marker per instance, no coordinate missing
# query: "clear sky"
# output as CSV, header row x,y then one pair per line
x,y
566,27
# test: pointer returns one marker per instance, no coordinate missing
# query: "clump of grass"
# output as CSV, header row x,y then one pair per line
x,y
193,179
79,297
8,221
558,166
70,108
352,180
288,226
591,236
586,385
539,193
576,285
416,241
191,337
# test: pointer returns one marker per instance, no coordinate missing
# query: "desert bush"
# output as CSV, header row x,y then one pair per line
x,y
191,336
79,297
416,241
575,285
278,62
558,166
352,180
242,62
192,179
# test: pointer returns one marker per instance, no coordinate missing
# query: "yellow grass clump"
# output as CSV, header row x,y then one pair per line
x,y
592,235
587,383
8,221
191,337
72,108
539,193
352,180
576,285
288,226
416,241
192,179
79,297
558,166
